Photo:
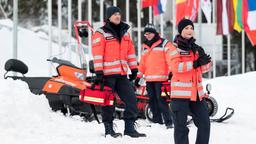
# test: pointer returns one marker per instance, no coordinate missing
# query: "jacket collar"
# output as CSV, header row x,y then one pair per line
x,y
123,29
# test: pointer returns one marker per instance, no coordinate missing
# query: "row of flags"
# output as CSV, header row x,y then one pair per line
x,y
184,8
237,15
231,14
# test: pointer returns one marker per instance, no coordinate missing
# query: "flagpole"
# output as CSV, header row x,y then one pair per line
x,y
50,33
229,56
214,11
150,20
89,17
101,12
162,24
127,11
69,29
90,21
59,26
15,29
173,19
139,27
200,22
114,2
79,10
214,52
243,51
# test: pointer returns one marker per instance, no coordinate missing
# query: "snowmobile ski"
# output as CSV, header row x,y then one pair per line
x,y
227,115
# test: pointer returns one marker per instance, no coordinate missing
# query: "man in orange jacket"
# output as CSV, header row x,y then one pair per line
x,y
113,53
153,67
187,62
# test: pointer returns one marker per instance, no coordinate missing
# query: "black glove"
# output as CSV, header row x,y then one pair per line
x,y
136,82
203,60
170,76
133,75
99,77
82,31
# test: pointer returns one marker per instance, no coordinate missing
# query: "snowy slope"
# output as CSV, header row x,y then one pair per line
x,y
27,119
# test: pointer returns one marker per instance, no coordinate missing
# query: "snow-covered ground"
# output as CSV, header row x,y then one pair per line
x,y
27,119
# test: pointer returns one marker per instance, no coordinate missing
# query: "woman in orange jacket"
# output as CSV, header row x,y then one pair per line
x,y
153,67
188,61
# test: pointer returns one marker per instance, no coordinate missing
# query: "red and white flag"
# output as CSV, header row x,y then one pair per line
x,y
207,9
225,17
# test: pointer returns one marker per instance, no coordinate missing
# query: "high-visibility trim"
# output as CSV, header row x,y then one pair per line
x,y
98,57
180,67
118,62
98,65
131,56
181,84
158,49
156,77
199,84
172,53
165,42
104,33
189,66
132,63
93,99
111,63
113,70
181,93
96,41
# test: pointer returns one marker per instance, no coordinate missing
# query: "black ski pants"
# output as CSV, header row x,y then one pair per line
x,y
198,109
122,86
158,104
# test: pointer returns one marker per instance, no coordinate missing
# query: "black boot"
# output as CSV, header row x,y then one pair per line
x,y
131,131
110,131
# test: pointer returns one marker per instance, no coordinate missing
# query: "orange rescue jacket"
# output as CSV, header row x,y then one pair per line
x,y
153,65
112,56
186,82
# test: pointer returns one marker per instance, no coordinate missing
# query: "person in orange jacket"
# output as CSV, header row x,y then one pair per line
x,y
154,69
113,53
188,62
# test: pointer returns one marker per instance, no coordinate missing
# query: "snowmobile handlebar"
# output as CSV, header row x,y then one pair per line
x,y
60,61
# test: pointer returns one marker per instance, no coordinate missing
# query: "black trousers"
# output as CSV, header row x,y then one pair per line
x,y
158,104
125,91
181,108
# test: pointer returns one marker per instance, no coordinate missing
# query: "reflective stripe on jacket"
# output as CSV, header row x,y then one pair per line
x,y
153,64
186,81
112,56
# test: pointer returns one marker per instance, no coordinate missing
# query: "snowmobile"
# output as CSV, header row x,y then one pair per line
x,y
62,91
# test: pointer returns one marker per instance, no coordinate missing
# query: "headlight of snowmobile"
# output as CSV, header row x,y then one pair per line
x,y
208,88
